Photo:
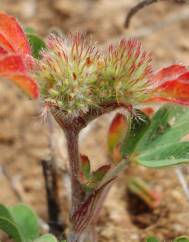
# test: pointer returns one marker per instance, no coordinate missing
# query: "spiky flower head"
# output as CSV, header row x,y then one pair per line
x,y
67,72
74,75
125,72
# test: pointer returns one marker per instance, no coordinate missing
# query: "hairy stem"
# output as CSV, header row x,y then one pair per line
x,y
74,162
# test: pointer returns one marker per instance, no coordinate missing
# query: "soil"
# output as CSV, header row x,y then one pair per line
x,y
164,30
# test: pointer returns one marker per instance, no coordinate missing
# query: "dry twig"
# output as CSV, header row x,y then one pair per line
x,y
140,6
53,203
143,32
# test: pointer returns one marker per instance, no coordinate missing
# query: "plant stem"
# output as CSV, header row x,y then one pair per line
x,y
74,161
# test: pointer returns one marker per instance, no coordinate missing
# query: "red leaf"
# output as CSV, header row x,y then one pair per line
x,y
11,64
13,33
13,68
117,131
5,43
2,51
174,90
177,89
168,73
27,84
116,135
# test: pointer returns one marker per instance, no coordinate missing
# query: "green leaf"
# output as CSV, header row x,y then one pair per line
x,y
37,44
167,155
181,239
5,213
139,125
46,238
158,144
26,220
152,239
11,229
168,125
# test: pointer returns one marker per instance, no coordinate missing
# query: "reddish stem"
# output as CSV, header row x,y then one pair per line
x,y
74,161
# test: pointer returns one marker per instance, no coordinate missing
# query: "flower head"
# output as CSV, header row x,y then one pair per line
x,y
125,72
67,72
74,75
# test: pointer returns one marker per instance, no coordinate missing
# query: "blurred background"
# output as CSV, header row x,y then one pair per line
x,y
163,29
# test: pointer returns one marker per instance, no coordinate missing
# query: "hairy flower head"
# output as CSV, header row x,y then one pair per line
x,y
67,72
125,72
74,75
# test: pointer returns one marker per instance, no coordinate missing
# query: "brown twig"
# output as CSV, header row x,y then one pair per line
x,y
52,191
140,6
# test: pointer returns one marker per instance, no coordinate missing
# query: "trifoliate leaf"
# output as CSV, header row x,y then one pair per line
x,y
160,142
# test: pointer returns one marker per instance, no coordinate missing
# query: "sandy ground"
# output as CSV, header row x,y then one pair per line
x,y
163,30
